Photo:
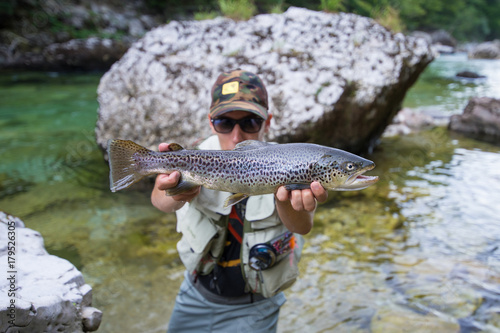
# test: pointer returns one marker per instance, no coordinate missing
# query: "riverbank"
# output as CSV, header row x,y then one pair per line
x,y
68,35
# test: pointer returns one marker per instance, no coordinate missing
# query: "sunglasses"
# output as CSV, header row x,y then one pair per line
x,y
247,125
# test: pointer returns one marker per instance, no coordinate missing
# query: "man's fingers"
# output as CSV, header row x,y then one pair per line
x,y
303,199
308,200
319,192
282,194
167,181
163,147
296,200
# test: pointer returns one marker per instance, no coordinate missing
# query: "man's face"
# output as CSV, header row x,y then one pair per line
x,y
229,140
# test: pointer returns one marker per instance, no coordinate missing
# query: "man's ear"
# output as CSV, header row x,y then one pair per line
x,y
268,122
211,125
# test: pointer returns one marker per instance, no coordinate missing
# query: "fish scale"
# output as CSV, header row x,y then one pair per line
x,y
252,168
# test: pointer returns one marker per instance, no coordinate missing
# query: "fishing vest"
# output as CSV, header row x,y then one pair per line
x,y
203,224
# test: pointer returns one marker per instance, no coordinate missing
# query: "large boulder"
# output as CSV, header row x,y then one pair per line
x,y
40,292
480,120
333,79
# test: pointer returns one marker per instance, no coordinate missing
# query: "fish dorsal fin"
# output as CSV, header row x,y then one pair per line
x,y
250,144
175,147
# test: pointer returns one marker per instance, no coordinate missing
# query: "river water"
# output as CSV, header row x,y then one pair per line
x,y
418,252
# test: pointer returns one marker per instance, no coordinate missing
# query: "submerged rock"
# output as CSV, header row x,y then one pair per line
x,y
333,79
480,120
391,319
40,292
469,75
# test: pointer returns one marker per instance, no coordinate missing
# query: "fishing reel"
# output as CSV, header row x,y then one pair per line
x,y
265,255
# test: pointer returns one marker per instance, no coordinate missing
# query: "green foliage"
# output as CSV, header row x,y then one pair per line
x,y
464,19
331,6
205,15
175,9
389,18
269,6
237,9
91,30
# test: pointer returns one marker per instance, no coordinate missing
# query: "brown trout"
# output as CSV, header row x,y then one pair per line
x,y
251,168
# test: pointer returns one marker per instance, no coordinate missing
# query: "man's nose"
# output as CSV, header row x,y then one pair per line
x,y
236,134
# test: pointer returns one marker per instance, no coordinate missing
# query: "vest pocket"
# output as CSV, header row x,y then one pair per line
x,y
282,275
197,229
196,248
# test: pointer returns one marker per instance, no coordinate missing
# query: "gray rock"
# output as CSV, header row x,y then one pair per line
x,y
443,37
136,29
408,121
422,34
486,50
33,43
480,120
92,53
469,75
77,16
333,79
443,49
40,292
91,318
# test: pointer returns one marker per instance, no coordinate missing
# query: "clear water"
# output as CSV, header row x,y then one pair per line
x,y
438,88
419,250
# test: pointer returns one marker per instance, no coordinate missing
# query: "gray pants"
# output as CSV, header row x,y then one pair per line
x,y
194,314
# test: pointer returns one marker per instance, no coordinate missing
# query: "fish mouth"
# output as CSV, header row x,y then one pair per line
x,y
359,181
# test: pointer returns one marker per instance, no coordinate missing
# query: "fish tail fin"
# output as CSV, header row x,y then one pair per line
x,y
124,170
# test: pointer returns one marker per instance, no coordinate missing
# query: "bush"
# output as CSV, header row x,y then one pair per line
x,y
331,6
237,9
389,18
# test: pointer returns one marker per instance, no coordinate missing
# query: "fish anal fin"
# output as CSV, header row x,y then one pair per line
x,y
292,187
234,199
182,187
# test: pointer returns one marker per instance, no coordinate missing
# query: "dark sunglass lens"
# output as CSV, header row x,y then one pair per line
x,y
251,125
223,125
248,125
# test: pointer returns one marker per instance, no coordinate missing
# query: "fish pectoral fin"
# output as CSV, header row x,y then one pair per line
x,y
292,187
182,186
234,199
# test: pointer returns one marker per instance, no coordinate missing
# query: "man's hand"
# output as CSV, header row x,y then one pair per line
x,y
167,181
296,208
303,199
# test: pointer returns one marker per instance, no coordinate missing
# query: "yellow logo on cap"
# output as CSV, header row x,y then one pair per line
x,y
230,88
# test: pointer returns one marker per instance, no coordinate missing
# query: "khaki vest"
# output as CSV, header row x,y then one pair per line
x,y
203,224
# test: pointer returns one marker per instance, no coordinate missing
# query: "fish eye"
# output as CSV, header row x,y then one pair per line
x,y
349,166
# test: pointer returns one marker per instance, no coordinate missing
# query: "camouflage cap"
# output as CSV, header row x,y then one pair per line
x,y
239,90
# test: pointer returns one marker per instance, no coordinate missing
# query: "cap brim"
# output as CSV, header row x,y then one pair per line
x,y
254,108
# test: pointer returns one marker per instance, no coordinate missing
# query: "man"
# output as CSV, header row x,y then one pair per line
x,y
234,281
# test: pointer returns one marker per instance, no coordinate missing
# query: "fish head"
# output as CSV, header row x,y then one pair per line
x,y
343,171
